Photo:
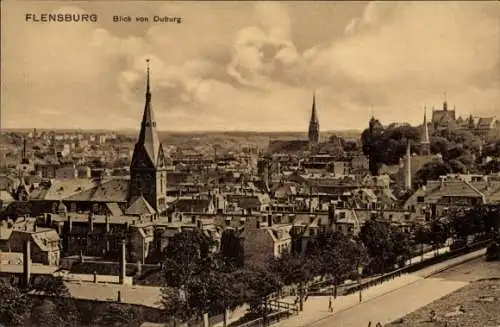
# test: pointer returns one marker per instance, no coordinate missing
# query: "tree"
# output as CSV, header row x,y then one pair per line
x,y
260,283
46,314
338,255
118,315
17,209
385,245
350,146
14,305
184,257
292,268
232,248
432,171
387,146
197,281
175,305
492,166
61,309
439,145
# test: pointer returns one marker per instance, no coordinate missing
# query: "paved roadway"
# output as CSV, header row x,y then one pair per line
x,y
385,302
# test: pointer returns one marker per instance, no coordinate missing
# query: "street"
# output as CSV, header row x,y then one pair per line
x,y
384,302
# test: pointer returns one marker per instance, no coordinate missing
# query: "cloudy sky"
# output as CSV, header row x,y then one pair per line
x,y
249,66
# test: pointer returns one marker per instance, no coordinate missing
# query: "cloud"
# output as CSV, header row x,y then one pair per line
x,y
253,66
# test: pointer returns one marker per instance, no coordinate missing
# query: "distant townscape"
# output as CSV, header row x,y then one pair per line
x,y
105,229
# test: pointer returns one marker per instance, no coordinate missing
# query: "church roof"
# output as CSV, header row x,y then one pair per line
x,y
485,122
139,206
148,137
61,189
113,190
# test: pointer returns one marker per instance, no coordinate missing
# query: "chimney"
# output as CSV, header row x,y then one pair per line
x,y
331,213
269,220
123,263
91,221
107,223
27,263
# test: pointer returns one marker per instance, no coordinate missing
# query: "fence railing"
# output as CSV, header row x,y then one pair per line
x,y
419,265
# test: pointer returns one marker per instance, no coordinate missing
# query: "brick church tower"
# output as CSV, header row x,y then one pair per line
x,y
148,173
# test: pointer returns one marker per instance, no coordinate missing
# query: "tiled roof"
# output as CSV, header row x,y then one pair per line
x,y
139,206
191,205
114,209
245,201
113,190
43,236
457,188
61,189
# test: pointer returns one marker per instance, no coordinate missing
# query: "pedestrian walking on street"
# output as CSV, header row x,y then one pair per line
x,y
370,324
330,304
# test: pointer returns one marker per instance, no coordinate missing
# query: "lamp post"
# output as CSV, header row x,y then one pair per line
x,y
360,272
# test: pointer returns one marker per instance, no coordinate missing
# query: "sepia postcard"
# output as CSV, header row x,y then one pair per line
x,y
250,163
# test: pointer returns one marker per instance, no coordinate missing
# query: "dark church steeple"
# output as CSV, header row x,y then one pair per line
x,y
148,175
313,124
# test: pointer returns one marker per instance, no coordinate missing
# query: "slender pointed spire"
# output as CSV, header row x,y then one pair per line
x,y
148,137
148,90
314,116
314,123
425,144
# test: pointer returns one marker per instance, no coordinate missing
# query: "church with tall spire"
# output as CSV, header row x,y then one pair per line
x,y
425,144
313,134
148,172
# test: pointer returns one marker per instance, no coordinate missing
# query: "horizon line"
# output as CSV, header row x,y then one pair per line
x,y
172,131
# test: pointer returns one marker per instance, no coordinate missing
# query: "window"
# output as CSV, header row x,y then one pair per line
x,y
420,199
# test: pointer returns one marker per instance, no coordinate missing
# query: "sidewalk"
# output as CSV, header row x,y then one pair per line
x,y
316,307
